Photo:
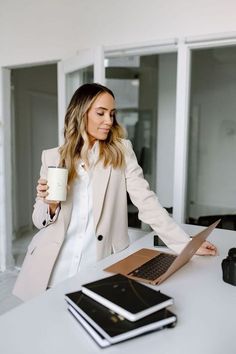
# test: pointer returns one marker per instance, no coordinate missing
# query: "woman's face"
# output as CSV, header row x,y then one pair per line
x,y
100,117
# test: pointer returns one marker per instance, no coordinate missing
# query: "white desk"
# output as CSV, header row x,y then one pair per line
x,y
204,304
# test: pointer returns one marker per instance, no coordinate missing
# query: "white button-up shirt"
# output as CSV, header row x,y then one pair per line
x,y
79,247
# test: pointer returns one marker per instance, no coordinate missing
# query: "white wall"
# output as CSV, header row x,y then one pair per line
x,y
36,31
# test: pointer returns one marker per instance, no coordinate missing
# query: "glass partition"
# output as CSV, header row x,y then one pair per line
x,y
145,90
77,78
211,191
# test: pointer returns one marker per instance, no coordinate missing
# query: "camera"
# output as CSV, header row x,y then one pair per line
x,y
229,267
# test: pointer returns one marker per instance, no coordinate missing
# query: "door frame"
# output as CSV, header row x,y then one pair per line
x,y
185,48
82,59
170,45
6,170
6,259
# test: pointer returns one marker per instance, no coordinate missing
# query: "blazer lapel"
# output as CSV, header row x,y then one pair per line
x,y
101,177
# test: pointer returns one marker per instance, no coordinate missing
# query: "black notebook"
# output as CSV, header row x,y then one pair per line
x,y
126,297
106,327
97,336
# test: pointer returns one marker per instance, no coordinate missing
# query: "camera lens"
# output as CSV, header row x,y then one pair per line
x,y
232,252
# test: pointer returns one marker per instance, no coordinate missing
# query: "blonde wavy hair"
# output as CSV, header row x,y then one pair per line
x,y
76,140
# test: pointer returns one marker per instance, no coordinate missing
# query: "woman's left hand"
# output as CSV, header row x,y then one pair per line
x,y
207,249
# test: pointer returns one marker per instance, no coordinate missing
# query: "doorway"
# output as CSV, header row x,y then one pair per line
x,y
34,122
145,89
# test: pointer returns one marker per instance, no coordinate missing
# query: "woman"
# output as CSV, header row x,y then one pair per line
x,y
92,223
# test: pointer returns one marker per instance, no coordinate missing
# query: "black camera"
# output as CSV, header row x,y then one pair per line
x,y
229,267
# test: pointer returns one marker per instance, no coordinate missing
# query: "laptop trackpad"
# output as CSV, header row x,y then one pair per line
x,y
126,265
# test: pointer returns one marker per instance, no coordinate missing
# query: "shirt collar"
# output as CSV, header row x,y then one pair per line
x,y
93,155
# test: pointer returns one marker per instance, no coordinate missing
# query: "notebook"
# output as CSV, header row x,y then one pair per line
x,y
126,297
152,266
106,327
97,336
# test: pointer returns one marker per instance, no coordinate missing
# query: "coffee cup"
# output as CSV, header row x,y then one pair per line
x,y
57,182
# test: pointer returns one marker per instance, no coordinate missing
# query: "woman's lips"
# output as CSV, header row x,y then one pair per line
x,y
104,130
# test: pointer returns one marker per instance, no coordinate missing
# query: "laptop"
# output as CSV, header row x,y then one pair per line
x,y
152,266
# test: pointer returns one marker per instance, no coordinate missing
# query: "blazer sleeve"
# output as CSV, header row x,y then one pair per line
x,y
41,216
150,210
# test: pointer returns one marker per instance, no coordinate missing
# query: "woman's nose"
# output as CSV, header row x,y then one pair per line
x,y
108,120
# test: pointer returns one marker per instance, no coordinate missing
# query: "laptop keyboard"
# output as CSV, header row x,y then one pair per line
x,y
154,268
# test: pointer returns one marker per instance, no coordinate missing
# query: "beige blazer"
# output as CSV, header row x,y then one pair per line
x,y
110,220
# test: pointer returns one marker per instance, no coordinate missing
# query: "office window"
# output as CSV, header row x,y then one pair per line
x,y
145,90
211,189
78,78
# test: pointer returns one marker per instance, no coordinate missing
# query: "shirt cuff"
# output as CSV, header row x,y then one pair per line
x,y
49,220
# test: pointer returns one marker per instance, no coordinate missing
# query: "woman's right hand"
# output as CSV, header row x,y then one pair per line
x,y
42,193
42,189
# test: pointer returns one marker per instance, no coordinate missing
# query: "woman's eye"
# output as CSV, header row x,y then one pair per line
x,y
100,114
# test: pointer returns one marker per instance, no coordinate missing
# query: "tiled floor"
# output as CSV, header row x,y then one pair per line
x,y
7,300
8,278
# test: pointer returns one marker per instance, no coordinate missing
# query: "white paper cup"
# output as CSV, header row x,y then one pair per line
x,y
57,183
